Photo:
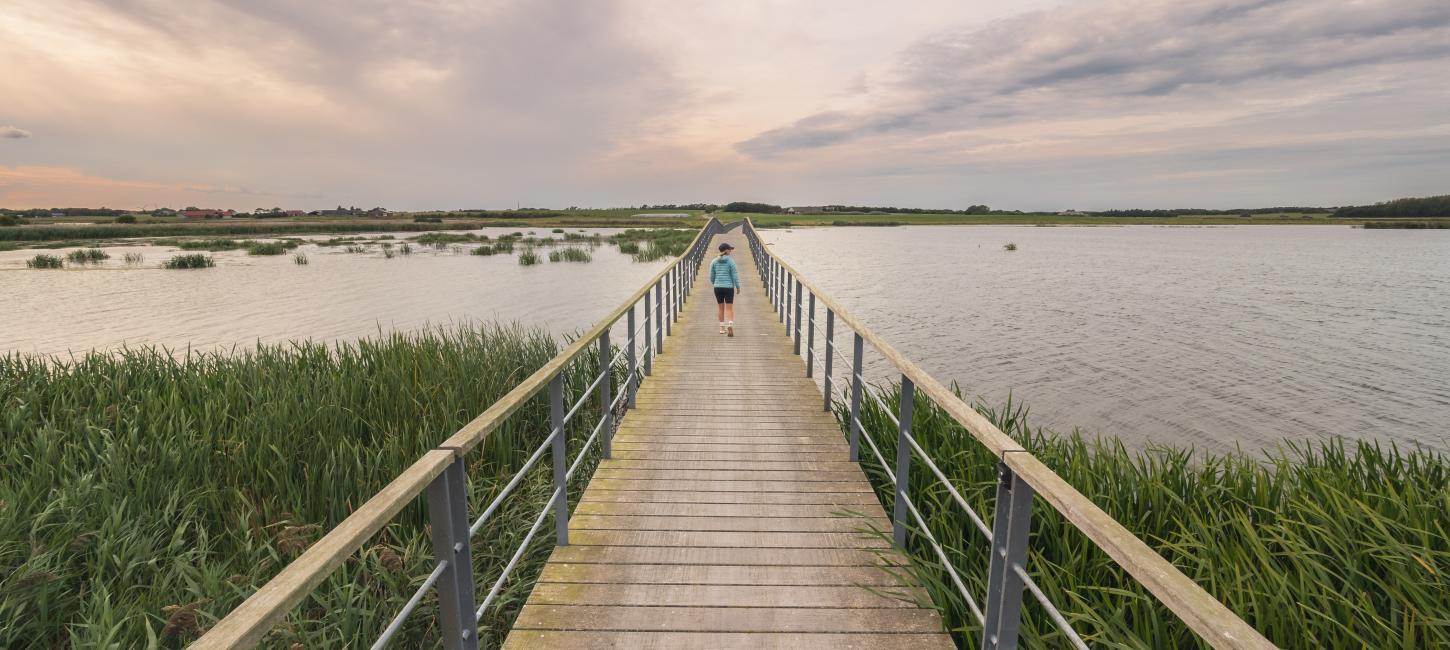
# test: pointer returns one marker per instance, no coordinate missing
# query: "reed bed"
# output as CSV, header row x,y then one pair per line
x,y
529,257
266,248
484,250
1316,544
87,256
191,261
570,254
300,260
144,494
133,259
653,244
43,261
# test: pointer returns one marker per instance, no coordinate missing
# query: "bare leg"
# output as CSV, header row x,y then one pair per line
x,y
729,313
721,309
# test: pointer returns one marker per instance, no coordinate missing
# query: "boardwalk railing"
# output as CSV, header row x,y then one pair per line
x,y
1021,479
441,473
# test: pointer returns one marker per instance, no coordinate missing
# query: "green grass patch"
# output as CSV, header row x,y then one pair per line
x,y
44,261
191,261
143,480
266,248
87,256
1320,540
570,254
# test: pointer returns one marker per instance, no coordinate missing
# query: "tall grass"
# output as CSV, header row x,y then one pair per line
x,y
649,245
43,261
1319,544
192,261
87,256
266,248
529,257
133,259
570,254
145,494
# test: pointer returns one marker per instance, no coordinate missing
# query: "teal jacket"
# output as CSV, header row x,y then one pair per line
x,y
724,274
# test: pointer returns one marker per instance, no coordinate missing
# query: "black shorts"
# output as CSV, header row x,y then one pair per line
x,y
725,295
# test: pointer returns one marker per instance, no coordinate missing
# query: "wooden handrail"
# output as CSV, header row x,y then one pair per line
x,y
1197,608
244,626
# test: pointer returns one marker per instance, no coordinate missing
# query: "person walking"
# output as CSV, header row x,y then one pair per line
x,y
726,278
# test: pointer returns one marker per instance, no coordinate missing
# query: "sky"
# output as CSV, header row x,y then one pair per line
x,y
447,104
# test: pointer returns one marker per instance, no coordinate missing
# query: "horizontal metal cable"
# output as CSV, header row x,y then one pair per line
x,y
867,436
497,586
940,477
942,555
408,608
1052,612
518,476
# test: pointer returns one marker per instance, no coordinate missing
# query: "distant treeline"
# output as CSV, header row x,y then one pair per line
x,y
708,207
69,212
510,214
1429,206
1439,224
1205,211
759,208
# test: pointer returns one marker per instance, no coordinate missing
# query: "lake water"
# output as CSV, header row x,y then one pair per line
x,y
336,296
1212,337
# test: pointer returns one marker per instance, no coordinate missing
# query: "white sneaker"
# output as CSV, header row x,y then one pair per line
x,y
722,329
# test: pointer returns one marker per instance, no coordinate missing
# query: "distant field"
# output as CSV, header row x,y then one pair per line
x,y
75,231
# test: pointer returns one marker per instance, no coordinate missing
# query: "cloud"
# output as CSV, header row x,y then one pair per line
x,y
13,133
1119,57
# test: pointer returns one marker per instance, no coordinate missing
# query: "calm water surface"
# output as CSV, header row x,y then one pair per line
x,y
338,296
1212,337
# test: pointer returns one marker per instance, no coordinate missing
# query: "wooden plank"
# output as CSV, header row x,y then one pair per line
x,y
722,641
637,595
753,510
749,556
722,539
604,494
686,485
735,524
804,476
720,574
717,619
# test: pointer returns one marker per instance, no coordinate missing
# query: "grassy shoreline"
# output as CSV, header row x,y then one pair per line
x,y
1317,542
38,233
143,495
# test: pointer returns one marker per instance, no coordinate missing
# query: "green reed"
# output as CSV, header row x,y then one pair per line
x,y
133,259
300,260
529,257
652,244
192,261
145,493
266,248
570,254
1317,544
44,262
87,256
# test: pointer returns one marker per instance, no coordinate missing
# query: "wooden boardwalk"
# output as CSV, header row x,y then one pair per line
x,y
720,520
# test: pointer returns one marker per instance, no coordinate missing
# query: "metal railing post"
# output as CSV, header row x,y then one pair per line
x,y
632,383
780,302
659,317
903,461
860,345
605,388
561,459
669,286
811,338
648,339
830,353
797,317
1011,525
448,518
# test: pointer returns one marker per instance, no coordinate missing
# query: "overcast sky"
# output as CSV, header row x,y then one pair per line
x,y
450,104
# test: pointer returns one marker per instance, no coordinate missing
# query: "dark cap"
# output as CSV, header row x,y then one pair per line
x,y
725,246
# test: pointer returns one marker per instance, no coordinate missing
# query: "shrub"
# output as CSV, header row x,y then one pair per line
x,y
192,261
87,256
126,218
570,254
44,262
427,220
7,220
